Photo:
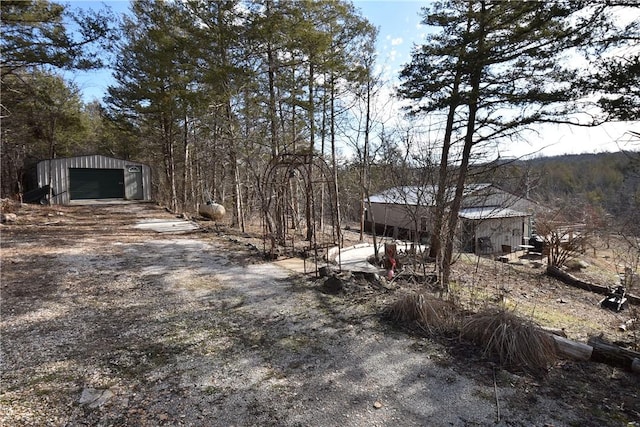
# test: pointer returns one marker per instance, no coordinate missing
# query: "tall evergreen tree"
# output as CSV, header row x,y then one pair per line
x,y
495,68
35,34
153,76
36,104
613,76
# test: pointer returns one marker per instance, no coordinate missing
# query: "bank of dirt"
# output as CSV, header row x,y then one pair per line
x,y
106,324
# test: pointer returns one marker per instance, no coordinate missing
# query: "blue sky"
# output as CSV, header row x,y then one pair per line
x,y
399,27
397,21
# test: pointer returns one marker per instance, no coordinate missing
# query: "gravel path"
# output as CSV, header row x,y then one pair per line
x,y
104,324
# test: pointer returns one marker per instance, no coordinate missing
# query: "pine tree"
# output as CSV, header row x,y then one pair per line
x,y
494,67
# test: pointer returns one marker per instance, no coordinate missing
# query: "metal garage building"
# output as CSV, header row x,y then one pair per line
x,y
94,177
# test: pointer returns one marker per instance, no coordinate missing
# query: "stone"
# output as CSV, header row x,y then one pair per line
x,y
333,285
8,217
576,265
324,271
377,404
372,277
95,397
89,395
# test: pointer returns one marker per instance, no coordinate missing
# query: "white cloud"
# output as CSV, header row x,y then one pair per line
x,y
392,55
397,41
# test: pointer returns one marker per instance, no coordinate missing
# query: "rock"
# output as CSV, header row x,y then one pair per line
x,y
333,285
326,271
94,397
8,217
576,265
372,277
377,404
627,325
89,395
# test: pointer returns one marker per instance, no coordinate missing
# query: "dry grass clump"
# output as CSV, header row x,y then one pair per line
x,y
9,206
429,313
519,343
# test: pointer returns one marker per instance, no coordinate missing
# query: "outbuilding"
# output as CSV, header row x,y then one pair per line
x,y
491,220
94,177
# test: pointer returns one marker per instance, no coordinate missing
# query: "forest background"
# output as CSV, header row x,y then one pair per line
x,y
213,94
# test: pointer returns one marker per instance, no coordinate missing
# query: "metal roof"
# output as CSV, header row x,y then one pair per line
x,y
489,212
419,195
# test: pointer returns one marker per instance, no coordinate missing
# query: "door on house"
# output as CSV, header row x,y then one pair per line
x,y
134,184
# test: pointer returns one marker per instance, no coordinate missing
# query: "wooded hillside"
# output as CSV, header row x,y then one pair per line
x,y
610,180
607,184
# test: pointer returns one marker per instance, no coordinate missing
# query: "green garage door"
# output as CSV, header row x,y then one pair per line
x,y
96,183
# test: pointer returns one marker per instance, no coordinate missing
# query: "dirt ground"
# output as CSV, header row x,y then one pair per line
x,y
106,324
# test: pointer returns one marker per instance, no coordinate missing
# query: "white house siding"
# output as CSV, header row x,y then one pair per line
x,y
394,215
55,172
501,231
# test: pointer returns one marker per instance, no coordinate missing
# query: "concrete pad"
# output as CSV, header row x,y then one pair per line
x,y
296,265
354,259
167,226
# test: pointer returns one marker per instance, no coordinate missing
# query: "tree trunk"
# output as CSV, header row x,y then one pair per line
x,y
592,287
364,174
475,80
310,207
336,201
614,355
271,73
185,174
238,220
443,175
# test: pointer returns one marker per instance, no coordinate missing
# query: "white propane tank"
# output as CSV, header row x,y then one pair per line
x,y
212,211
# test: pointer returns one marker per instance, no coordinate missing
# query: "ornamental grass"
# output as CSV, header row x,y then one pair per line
x,y
517,342
430,314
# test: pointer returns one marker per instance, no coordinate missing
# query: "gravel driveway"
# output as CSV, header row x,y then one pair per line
x,y
106,324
